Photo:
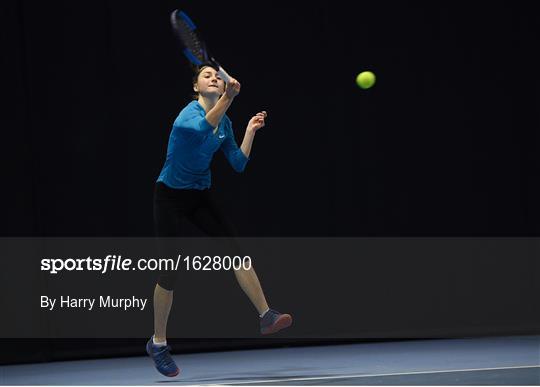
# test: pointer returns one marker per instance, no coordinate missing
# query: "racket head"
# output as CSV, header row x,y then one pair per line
x,y
185,30
193,46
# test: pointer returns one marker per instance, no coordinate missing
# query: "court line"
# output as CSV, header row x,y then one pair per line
x,y
279,380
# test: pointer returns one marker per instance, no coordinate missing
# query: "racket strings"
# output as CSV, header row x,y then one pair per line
x,y
193,44
190,39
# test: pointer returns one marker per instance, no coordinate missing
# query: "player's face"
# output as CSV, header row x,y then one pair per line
x,y
209,83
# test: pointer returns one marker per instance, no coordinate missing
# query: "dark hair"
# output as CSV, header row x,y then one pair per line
x,y
197,71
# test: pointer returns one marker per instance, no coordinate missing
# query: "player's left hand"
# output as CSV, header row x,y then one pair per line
x,y
257,121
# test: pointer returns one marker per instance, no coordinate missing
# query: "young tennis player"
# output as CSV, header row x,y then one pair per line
x,y
182,191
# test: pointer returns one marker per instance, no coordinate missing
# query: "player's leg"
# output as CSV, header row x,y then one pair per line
x,y
170,206
211,220
163,299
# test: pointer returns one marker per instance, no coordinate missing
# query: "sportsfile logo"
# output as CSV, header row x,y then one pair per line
x,y
108,264
117,263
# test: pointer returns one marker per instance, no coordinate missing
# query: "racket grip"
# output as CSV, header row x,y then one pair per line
x,y
223,74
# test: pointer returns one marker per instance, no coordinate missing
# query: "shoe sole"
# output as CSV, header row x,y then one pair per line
x,y
283,321
173,375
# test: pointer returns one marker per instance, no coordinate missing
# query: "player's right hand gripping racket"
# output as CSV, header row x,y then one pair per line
x,y
194,47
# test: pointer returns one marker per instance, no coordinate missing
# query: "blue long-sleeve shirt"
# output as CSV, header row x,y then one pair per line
x,y
192,145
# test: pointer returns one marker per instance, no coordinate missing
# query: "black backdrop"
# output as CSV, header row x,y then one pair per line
x,y
445,144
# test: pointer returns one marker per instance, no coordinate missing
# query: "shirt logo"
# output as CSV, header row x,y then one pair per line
x,y
221,136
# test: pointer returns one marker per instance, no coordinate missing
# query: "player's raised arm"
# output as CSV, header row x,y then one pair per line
x,y
215,114
255,123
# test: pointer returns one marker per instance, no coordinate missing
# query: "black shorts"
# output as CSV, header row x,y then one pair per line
x,y
173,206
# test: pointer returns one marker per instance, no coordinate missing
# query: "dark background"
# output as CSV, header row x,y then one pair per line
x,y
445,144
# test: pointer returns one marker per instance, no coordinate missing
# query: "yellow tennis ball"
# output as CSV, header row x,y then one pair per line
x,y
365,79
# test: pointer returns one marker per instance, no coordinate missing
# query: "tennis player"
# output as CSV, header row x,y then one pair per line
x,y
182,191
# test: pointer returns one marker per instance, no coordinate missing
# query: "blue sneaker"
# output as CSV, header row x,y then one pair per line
x,y
273,321
162,359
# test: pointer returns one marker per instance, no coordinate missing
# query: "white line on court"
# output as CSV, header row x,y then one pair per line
x,y
279,380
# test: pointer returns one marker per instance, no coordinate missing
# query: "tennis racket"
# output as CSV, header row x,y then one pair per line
x,y
194,48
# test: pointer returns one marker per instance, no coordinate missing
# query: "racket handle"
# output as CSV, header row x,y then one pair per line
x,y
223,74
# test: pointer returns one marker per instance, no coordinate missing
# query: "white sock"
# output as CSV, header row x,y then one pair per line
x,y
263,313
159,343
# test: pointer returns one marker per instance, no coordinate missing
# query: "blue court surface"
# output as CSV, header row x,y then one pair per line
x,y
474,361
